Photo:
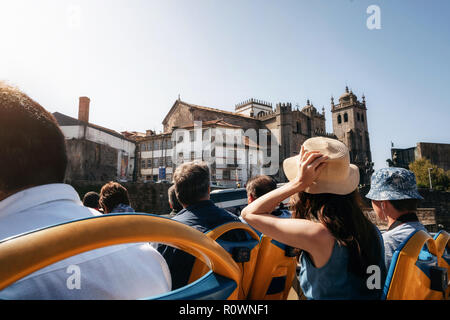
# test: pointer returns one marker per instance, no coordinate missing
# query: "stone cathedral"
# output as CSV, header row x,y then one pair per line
x,y
294,125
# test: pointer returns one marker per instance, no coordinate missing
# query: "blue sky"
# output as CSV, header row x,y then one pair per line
x,y
133,58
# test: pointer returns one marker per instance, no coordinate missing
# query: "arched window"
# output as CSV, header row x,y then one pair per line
x,y
339,119
357,116
299,127
362,117
345,117
261,113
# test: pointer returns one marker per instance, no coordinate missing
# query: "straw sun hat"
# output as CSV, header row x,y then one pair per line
x,y
338,177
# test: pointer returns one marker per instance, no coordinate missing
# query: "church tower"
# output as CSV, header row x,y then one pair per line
x,y
350,127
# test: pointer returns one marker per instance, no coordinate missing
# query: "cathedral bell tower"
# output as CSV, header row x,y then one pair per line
x,y
350,127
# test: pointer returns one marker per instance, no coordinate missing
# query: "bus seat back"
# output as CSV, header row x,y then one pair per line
x,y
443,248
275,271
414,273
244,253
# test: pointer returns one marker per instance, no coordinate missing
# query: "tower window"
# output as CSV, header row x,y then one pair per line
x,y
357,116
299,127
362,118
345,117
339,119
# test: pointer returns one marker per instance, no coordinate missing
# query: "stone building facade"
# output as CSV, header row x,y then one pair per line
x,y
437,153
287,128
95,153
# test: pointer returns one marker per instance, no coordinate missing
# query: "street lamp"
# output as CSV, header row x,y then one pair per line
x,y
429,177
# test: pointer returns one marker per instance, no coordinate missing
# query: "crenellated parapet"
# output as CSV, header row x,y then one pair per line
x,y
253,101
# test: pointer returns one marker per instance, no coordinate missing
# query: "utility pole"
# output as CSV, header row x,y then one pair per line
x,y
429,177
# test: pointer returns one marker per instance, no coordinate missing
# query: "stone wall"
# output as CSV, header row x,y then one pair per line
x,y
437,153
144,197
90,161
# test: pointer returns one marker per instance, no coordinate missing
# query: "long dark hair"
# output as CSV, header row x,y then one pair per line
x,y
343,217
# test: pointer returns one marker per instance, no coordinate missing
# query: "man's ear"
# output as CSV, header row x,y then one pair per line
x,y
250,198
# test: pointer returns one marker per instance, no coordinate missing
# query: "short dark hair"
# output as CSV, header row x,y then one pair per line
x,y
259,185
191,182
176,206
33,149
405,205
113,194
91,200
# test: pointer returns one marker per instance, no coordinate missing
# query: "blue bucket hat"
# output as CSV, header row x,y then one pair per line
x,y
393,184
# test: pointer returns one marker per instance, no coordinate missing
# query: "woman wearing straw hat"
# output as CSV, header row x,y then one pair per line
x,y
337,242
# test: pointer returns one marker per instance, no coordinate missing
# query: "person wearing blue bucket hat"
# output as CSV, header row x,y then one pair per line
x,y
395,197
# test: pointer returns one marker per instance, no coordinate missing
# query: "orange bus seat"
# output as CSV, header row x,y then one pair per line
x,y
244,253
413,271
275,271
443,248
26,253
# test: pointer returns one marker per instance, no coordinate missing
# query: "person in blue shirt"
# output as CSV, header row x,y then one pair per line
x,y
394,195
258,186
114,198
338,243
192,188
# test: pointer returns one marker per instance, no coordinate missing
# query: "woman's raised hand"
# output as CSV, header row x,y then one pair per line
x,y
311,165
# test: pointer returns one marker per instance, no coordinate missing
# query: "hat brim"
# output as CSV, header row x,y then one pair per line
x,y
381,195
342,187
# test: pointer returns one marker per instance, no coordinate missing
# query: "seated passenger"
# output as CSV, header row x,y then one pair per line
x,y
174,204
192,188
394,196
91,199
258,186
33,162
337,242
114,198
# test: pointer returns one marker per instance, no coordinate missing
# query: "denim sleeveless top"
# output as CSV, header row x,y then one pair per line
x,y
333,281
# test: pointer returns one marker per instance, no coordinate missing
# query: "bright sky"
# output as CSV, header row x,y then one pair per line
x,y
133,58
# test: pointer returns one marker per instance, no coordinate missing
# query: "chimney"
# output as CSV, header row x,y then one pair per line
x,y
83,109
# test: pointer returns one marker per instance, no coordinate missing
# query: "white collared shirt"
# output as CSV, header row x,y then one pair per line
x,y
128,271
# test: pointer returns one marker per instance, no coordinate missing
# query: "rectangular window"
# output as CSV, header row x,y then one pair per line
x,y
143,164
149,163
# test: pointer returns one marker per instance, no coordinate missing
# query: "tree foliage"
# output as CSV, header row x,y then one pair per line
x,y
440,179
